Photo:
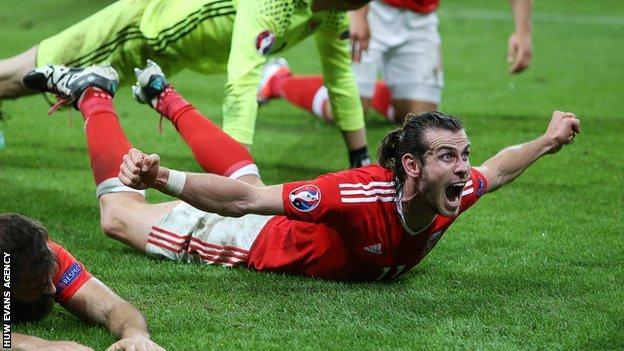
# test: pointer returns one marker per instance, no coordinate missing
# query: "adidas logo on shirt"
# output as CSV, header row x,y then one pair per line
x,y
374,249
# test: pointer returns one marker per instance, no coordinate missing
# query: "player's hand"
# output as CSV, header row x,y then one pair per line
x,y
135,343
139,170
561,131
519,52
359,32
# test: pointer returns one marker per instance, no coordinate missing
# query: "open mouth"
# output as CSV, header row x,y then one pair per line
x,y
453,192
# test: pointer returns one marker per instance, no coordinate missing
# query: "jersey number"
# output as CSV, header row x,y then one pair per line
x,y
387,269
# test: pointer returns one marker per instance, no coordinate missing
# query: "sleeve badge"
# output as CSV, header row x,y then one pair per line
x,y
264,42
305,198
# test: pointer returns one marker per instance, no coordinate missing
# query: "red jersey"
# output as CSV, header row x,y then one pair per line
x,y
420,6
348,226
70,276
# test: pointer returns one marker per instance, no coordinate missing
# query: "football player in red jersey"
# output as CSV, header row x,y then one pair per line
x,y
43,271
371,223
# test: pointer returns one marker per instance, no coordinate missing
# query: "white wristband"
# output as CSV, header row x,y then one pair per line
x,y
175,182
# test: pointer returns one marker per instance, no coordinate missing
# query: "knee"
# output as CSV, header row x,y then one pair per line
x,y
111,222
404,107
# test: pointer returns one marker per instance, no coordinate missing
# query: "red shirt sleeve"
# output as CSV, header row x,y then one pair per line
x,y
70,276
316,200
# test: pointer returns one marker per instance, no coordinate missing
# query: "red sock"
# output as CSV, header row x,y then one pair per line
x,y
307,92
382,101
106,141
215,151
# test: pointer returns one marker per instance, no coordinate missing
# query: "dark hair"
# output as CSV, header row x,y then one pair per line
x,y
410,139
26,241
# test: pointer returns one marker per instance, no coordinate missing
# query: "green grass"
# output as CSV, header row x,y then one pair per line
x,y
537,265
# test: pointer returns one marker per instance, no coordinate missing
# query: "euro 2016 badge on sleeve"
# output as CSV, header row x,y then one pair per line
x,y
69,276
264,42
481,187
305,198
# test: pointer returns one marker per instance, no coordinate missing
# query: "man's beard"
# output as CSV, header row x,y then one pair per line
x,y
31,312
429,192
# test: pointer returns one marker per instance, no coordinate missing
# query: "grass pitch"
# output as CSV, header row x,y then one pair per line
x,y
537,265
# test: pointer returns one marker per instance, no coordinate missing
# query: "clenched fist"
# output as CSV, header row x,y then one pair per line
x,y
139,170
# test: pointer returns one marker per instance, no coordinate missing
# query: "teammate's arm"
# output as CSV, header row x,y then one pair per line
x,y
27,342
520,46
95,302
208,192
508,164
359,32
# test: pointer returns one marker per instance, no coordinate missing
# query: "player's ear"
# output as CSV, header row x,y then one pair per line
x,y
411,165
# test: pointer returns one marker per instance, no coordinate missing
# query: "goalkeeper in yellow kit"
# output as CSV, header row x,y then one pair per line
x,y
210,36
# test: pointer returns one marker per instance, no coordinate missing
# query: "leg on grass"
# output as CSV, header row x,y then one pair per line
x,y
403,106
215,151
126,217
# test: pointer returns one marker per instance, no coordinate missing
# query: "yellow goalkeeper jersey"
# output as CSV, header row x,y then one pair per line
x,y
215,36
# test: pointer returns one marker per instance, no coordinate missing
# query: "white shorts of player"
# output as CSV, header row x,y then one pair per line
x,y
191,235
406,46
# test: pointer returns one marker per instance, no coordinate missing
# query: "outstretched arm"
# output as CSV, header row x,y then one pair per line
x,y
520,45
508,164
27,342
208,192
95,302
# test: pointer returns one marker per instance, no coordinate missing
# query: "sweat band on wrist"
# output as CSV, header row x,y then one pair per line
x,y
175,182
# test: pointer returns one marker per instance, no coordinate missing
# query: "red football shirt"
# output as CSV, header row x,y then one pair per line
x,y
347,226
70,276
420,6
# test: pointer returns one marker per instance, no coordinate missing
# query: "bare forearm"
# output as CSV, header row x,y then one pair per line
x,y
509,163
522,15
25,342
125,321
359,14
208,192
213,193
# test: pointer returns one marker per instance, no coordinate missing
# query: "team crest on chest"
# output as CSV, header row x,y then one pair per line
x,y
264,42
305,198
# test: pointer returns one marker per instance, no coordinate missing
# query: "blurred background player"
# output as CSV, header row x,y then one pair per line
x,y
42,272
370,223
405,44
210,36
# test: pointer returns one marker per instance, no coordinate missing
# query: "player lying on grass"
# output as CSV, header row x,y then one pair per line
x,y
371,223
43,271
210,36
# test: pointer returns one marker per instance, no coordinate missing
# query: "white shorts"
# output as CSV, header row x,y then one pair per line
x,y
191,235
406,45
